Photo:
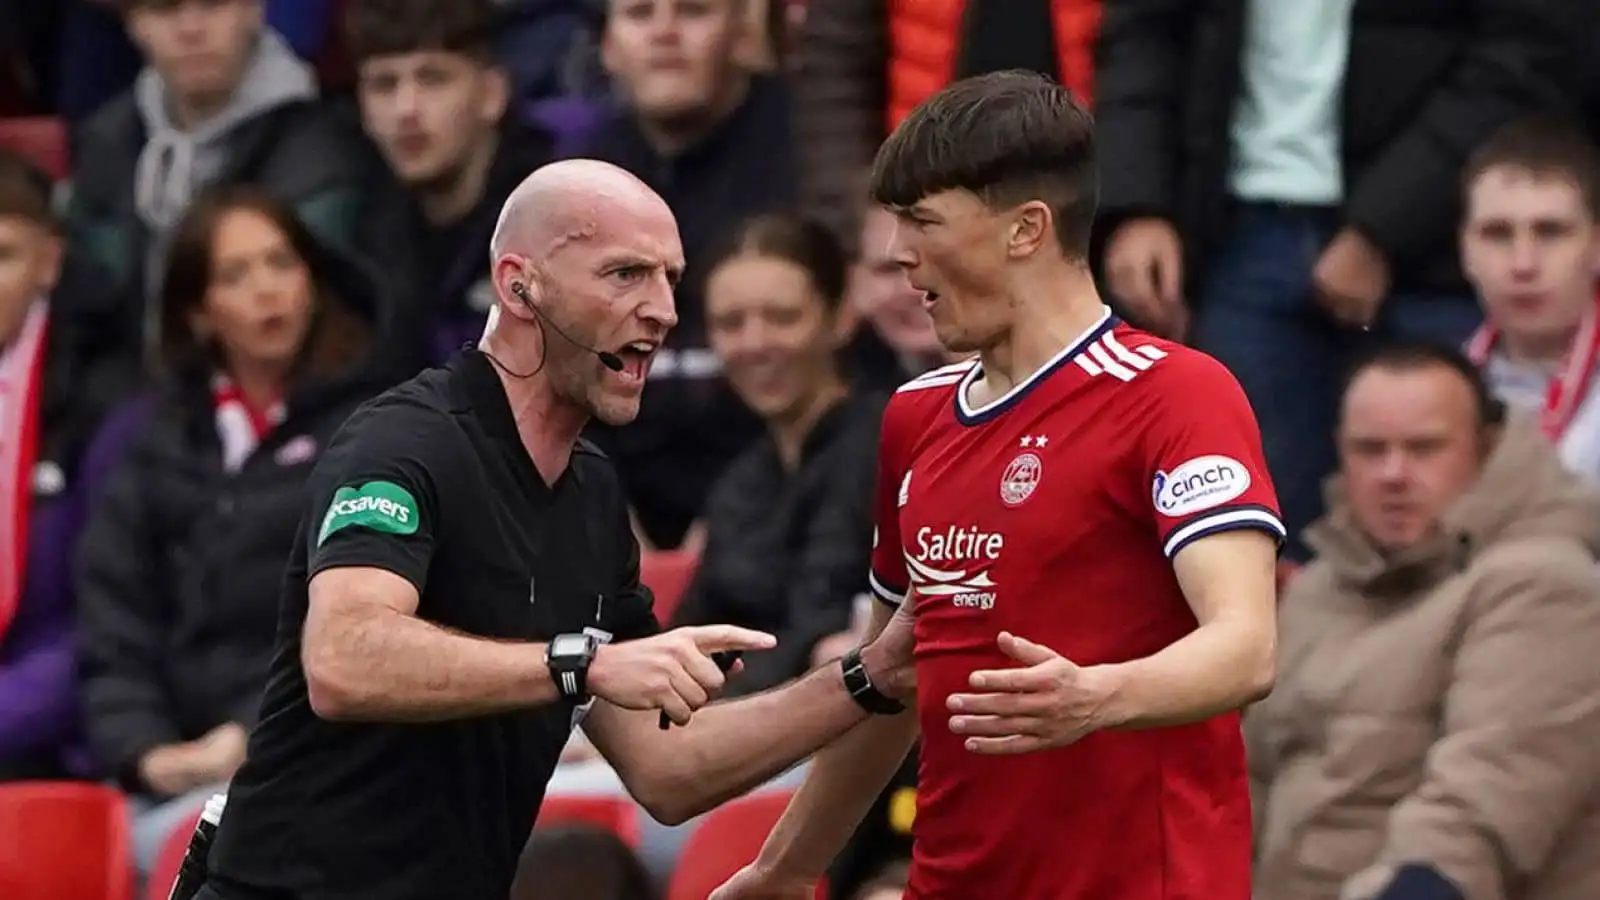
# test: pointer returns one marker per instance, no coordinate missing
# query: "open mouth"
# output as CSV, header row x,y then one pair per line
x,y
636,356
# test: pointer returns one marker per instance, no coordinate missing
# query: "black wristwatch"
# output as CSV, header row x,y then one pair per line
x,y
861,689
568,656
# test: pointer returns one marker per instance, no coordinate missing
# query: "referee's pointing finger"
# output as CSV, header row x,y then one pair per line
x,y
717,638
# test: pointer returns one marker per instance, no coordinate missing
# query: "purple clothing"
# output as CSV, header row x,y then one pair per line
x,y
38,688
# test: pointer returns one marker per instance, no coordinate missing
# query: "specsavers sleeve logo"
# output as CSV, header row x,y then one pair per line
x,y
377,505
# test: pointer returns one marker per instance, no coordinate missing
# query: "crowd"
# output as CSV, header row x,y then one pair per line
x,y
261,213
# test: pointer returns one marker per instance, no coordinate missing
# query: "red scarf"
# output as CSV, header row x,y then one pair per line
x,y
1571,385
21,372
241,425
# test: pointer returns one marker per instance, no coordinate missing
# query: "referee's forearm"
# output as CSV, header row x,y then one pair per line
x,y
731,747
383,666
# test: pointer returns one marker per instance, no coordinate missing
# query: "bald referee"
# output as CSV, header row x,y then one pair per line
x,y
466,587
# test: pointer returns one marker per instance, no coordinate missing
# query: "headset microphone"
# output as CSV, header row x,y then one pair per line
x,y
607,359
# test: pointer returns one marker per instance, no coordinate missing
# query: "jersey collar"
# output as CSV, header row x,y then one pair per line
x,y
969,415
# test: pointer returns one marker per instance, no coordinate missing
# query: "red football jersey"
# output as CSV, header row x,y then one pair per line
x,y
1052,513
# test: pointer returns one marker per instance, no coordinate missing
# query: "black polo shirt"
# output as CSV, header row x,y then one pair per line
x,y
429,481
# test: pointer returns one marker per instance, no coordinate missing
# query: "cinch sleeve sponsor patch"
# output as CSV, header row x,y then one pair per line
x,y
1199,484
381,506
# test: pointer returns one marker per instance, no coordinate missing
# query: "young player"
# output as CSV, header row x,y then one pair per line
x,y
1080,523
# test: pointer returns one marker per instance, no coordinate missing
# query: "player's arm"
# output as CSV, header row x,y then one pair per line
x,y
1229,661
729,748
843,782
377,513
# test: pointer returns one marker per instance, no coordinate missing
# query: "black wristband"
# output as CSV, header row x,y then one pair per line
x,y
861,689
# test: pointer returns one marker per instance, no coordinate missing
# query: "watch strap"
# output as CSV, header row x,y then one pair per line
x,y
570,671
862,691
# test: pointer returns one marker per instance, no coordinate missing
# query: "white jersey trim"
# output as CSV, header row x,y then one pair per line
x,y
1073,349
939,377
1220,521
893,598
1108,356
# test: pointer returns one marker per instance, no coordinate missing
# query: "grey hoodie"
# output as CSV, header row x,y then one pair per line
x,y
176,164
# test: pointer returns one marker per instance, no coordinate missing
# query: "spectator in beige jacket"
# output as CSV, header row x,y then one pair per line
x,y
1435,731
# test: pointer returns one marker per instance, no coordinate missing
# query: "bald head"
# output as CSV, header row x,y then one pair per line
x,y
567,201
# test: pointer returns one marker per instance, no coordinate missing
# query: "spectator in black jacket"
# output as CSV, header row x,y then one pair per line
x,y
788,527
713,138
264,338
434,101
1289,171
223,100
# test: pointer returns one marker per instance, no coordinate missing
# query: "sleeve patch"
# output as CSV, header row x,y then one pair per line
x,y
1199,484
377,506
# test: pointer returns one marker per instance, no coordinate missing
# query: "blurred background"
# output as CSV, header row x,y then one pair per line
x,y
225,223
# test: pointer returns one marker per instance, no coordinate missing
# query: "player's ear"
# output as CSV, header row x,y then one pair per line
x,y
1029,230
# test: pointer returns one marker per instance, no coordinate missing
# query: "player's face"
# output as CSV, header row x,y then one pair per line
x,y
775,334
30,259
884,296
674,58
613,292
200,47
953,248
257,306
1409,445
1531,247
429,111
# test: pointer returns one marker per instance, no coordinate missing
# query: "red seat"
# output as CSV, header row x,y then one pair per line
x,y
41,139
667,574
61,839
159,885
618,815
725,841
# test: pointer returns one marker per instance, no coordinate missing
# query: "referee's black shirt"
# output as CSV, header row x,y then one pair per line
x,y
429,481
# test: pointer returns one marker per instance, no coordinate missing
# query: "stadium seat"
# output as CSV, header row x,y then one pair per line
x,y
726,840
618,815
667,574
41,139
61,840
159,884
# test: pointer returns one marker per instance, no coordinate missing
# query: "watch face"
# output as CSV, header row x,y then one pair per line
x,y
568,645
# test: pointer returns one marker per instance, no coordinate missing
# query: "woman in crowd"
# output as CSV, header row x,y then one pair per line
x,y
788,526
881,294
264,340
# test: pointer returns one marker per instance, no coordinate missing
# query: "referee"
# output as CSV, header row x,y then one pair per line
x,y
466,581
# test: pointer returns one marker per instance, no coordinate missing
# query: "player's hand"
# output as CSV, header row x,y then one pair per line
x,y
1144,269
672,672
1052,702
889,658
752,883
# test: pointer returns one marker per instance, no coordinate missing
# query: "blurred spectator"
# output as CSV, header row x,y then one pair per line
x,y
223,100
263,336
884,297
1332,201
95,60
888,884
882,839
549,47
788,525
579,862
1433,730
864,64
1530,243
40,440
714,140
433,100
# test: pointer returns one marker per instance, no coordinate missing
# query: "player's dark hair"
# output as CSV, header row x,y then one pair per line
x,y
801,241
1008,137
337,336
1411,356
394,27
1544,146
25,190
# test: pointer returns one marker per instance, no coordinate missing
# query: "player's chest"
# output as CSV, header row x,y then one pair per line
x,y
989,513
